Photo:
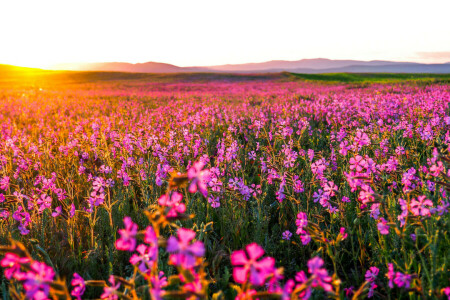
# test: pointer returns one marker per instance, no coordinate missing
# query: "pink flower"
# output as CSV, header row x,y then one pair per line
x,y
127,241
198,177
37,280
371,274
44,202
446,292
383,227
79,286
390,275
319,274
418,207
4,183
330,188
12,263
301,278
357,163
361,139
146,258
110,292
287,235
343,233
247,266
402,280
57,212
436,170
184,253
72,210
174,203
158,282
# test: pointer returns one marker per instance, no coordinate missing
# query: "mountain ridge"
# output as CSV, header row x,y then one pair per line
x,y
309,66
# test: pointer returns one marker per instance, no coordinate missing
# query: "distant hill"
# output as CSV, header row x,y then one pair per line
x,y
148,67
309,66
305,66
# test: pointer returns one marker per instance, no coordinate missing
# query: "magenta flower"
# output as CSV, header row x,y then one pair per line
x,y
343,233
287,235
174,203
436,170
383,227
79,286
402,280
419,206
390,275
146,258
248,267
184,253
57,212
301,278
127,241
4,183
371,274
150,236
158,282
44,202
330,188
320,275
110,292
12,263
357,163
37,280
72,210
198,178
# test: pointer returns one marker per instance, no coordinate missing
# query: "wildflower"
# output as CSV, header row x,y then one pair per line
x,y
44,202
127,240
173,201
349,291
419,206
37,280
57,212
345,199
435,170
12,263
248,267
4,183
214,201
110,292
330,188
319,274
183,251
383,227
390,275
402,280
72,210
287,235
146,258
198,177
301,278
343,233
371,274
79,286
357,163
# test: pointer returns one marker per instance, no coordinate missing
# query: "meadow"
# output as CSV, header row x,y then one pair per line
x,y
197,186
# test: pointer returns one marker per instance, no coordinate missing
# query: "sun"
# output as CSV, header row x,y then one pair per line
x,y
31,63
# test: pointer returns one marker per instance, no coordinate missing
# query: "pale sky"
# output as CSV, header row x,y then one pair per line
x,y
199,33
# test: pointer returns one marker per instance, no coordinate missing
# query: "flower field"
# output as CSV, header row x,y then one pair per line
x,y
239,188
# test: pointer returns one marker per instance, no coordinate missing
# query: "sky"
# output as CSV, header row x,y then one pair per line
x,y
201,33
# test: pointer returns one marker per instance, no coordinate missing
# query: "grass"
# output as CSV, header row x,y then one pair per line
x,y
372,77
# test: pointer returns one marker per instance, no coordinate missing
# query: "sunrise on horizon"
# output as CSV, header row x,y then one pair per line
x,y
234,150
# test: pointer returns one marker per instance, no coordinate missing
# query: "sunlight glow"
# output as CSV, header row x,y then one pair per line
x,y
188,33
